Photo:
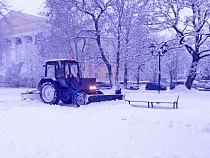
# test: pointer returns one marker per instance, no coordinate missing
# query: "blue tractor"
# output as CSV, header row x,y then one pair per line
x,y
63,81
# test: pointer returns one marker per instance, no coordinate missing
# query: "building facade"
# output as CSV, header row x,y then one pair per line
x,y
21,29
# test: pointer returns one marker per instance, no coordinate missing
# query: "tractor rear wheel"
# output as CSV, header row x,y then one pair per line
x,y
49,94
80,99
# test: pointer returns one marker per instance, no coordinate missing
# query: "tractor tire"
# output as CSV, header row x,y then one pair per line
x,y
80,99
49,94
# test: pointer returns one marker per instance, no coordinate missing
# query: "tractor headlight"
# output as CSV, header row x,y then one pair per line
x,y
92,87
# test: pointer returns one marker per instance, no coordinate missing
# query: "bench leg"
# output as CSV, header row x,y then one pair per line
x,y
152,104
175,105
148,104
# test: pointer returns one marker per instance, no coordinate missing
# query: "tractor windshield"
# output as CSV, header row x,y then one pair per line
x,y
50,71
63,69
74,70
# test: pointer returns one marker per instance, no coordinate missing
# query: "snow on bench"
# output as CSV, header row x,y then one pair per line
x,y
151,98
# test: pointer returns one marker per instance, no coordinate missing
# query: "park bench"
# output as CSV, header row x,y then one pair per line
x,y
152,98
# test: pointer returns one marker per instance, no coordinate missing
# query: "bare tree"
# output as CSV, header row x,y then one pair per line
x,y
204,72
189,20
130,33
3,42
174,64
96,9
117,17
64,37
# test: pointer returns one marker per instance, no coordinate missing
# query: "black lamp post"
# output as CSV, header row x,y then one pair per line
x,y
163,49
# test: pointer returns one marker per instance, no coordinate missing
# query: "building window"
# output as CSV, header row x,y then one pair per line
x,y
96,75
96,68
28,39
9,42
18,41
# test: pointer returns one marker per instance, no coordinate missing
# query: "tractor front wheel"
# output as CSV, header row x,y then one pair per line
x,y
49,94
80,99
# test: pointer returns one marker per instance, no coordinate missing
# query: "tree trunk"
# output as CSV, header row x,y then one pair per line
x,y
117,75
138,74
109,68
125,76
107,63
118,57
171,78
191,74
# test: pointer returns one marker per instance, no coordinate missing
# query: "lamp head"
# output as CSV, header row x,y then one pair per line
x,y
152,48
164,48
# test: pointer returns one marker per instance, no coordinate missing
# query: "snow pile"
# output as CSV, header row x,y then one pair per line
x,y
182,88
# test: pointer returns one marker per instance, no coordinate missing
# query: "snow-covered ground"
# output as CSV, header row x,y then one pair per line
x,y
115,129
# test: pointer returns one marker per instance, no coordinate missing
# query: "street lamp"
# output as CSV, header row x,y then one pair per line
x,y
163,49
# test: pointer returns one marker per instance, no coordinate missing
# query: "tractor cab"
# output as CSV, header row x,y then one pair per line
x,y
68,67
65,71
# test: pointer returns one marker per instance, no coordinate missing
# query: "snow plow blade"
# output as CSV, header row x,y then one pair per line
x,y
102,97
32,95
35,95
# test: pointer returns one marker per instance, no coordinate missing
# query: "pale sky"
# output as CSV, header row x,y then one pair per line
x,y
27,6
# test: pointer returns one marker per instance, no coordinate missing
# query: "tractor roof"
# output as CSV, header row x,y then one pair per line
x,y
62,60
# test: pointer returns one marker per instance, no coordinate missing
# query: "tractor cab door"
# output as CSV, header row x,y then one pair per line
x,y
60,75
72,75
